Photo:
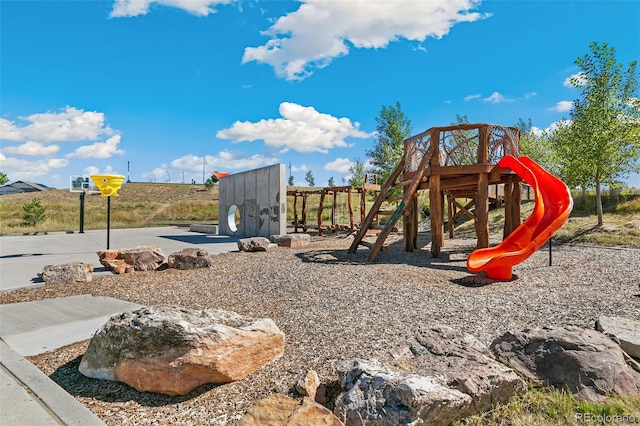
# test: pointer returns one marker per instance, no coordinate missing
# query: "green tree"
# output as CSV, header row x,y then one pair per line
x,y
331,183
393,127
33,213
3,178
601,143
357,172
309,178
290,181
537,146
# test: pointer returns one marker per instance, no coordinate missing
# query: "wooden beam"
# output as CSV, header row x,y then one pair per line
x,y
352,225
508,214
482,211
320,206
295,212
436,215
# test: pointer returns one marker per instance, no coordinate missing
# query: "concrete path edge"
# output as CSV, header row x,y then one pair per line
x,y
61,404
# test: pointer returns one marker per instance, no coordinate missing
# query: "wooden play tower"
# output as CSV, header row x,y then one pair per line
x,y
457,161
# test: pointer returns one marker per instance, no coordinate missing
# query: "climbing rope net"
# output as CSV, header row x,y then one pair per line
x,y
459,145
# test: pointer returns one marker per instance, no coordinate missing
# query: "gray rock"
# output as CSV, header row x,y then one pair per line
x,y
74,272
624,330
189,258
376,395
438,377
172,351
254,244
584,361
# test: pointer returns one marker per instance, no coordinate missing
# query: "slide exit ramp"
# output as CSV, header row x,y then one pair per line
x,y
553,204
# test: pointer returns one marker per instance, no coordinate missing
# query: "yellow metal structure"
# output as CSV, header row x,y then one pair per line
x,y
108,184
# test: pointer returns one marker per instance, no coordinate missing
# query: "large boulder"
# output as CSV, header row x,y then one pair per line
x,y
172,351
623,330
584,361
279,410
74,272
143,258
437,377
254,244
189,258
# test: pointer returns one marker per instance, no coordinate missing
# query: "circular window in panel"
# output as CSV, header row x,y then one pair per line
x,y
233,218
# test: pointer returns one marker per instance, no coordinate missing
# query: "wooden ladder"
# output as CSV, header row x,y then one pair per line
x,y
412,186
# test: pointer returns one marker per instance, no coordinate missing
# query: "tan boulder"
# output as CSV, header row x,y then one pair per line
x,y
172,351
308,385
279,410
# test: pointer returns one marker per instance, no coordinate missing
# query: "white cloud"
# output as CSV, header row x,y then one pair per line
x,y
472,97
302,129
579,78
71,124
530,95
496,98
319,31
127,8
302,168
93,170
562,106
32,149
340,165
19,169
9,131
99,150
223,161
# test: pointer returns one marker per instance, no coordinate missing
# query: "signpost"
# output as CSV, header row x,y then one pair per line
x,y
82,185
108,186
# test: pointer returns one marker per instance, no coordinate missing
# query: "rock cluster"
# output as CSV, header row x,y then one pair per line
x,y
438,377
172,351
143,258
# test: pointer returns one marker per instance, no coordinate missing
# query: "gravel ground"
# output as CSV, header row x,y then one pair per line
x,y
333,306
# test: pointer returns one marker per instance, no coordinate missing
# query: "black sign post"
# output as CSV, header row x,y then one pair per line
x,y
82,212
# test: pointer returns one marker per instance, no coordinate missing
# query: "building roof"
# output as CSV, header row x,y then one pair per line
x,y
23,186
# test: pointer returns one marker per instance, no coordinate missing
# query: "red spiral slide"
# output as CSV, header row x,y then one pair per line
x,y
553,204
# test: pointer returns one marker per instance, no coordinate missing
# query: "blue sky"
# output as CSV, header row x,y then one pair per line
x,y
175,88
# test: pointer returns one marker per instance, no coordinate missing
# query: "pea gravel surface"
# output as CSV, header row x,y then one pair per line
x,y
334,306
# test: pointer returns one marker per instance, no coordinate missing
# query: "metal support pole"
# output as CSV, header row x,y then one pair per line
x,y
108,219
550,254
82,194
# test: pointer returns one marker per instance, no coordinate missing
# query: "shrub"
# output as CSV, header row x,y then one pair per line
x,y
33,213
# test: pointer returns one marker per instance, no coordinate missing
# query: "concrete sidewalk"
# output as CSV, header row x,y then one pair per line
x,y
23,256
27,395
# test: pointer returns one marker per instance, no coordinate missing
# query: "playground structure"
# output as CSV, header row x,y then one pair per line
x,y
462,161
333,192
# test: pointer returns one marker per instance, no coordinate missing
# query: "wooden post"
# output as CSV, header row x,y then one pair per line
x,y
436,215
508,215
352,225
304,212
363,205
333,210
295,212
516,199
320,213
482,210
410,224
452,212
